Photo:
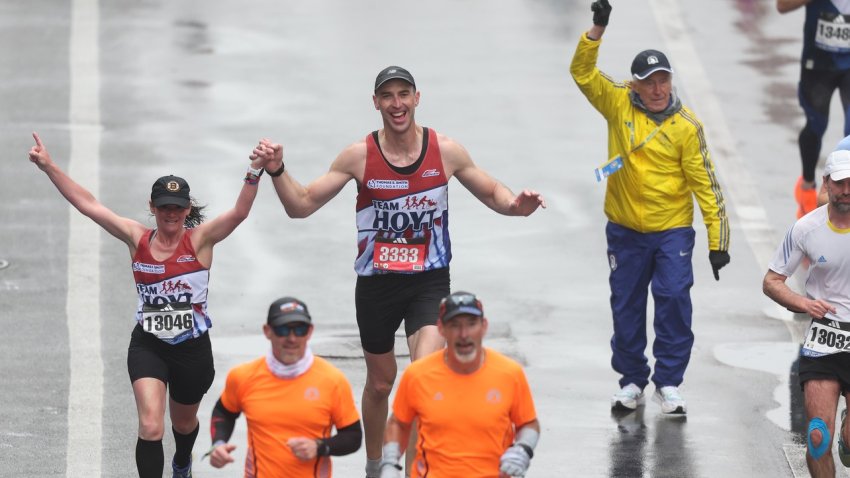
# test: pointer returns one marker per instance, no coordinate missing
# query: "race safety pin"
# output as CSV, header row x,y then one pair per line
x,y
612,166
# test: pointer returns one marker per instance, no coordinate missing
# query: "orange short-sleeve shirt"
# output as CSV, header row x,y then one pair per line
x,y
466,422
276,410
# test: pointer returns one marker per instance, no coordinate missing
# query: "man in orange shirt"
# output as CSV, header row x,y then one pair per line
x,y
291,400
475,411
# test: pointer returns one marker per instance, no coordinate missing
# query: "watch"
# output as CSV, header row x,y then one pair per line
x,y
277,173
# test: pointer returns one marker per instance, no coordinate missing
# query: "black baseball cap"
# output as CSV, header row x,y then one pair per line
x,y
458,303
287,310
393,73
170,190
648,62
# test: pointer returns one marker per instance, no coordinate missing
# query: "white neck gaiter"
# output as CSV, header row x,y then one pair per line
x,y
281,370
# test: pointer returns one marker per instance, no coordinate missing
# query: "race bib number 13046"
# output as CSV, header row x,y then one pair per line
x,y
169,320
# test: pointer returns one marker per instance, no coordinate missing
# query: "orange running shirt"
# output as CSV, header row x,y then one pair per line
x,y
466,422
279,409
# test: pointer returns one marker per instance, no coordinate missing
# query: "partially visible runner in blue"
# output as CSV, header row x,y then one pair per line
x,y
824,67
169,347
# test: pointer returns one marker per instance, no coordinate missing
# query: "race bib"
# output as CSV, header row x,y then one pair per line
x,y
167,321
833,32
826,337
399,255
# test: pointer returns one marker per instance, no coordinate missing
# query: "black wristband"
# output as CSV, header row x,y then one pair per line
x,y
277,173
322,448
527,449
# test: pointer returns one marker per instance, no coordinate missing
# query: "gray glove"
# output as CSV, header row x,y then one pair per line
x,y
515,461
391,454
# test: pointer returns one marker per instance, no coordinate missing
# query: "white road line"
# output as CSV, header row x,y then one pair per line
x,y
85,392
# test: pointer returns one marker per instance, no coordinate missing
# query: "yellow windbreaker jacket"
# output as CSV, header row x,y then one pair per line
x,y
652,192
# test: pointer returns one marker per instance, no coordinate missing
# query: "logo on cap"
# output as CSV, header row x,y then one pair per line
x,y
651,60
172,186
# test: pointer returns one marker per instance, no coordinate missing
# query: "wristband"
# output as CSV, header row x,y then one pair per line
x,y
277,173
212,448
527,449
322,448
252,176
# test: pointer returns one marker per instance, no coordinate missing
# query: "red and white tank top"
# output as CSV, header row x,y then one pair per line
x,y
172,293
403,213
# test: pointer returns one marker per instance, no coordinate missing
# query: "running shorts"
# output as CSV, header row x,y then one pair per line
x,y
829,367
187,368
384,300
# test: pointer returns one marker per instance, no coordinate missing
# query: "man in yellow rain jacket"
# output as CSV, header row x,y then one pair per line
x,y
658,162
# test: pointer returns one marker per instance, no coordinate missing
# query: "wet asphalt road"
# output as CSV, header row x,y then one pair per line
x,y
188,87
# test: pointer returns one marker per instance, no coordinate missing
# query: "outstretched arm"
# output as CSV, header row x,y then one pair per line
x,y
601,11
300,201
211,232
125,229
492,193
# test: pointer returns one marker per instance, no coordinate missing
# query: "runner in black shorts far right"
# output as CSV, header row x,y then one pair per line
x,y
825,67
821,238
402,173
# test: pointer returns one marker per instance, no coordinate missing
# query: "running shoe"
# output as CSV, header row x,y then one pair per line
x,y
807,199
627,398
843,451
181,472
671,402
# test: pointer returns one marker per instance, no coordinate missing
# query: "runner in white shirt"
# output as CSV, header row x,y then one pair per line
x,y
822,237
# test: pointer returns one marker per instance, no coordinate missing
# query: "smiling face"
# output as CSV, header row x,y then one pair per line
x,y
169,218
397,101
288,348
654,90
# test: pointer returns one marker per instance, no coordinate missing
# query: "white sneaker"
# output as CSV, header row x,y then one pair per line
x,y
627,398
670,400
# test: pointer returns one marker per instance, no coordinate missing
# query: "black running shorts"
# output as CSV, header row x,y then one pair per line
x,y
384,300
829,367
187,368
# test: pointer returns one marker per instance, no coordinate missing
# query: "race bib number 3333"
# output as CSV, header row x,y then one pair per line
x,y
168,320
399,255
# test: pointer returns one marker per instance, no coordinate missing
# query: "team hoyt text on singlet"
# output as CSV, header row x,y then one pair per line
x,y
402,213
172,293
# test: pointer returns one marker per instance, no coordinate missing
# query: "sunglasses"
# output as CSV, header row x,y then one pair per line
x,y
284,330
463,298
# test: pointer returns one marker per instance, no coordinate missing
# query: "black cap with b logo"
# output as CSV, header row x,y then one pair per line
x,y
170,190
648,62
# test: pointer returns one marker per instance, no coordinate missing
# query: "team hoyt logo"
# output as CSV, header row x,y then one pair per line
x,y
416,212
165,292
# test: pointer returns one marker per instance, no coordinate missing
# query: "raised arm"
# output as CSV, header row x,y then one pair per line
x,y
127,230
785,6
211,232
300,201
492,193
774,286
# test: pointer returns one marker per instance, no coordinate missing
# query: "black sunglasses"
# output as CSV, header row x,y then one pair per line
x,y
284,330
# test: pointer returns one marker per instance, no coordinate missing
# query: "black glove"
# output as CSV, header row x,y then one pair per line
x,y
601,12
718,259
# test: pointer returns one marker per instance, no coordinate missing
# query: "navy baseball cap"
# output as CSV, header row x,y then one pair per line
x,y
458,303
286,310
648,62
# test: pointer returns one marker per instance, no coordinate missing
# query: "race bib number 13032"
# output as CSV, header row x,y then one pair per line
x,y
826,337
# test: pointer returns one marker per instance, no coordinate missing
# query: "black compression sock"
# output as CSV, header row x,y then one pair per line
x,y
149,458
183,445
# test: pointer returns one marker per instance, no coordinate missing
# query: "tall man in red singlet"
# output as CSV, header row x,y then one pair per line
x,y
402,173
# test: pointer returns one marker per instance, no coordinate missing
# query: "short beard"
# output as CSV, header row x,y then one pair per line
x,y
841,207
